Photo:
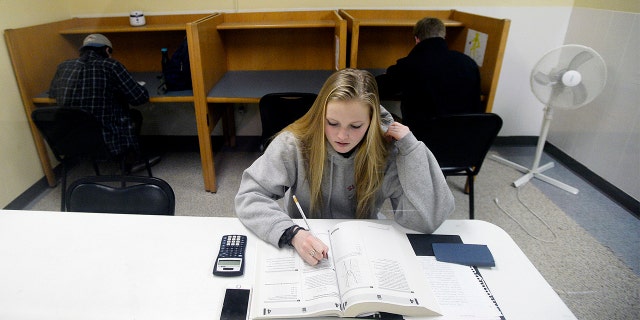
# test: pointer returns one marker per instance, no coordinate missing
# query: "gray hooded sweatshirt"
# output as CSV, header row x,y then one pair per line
x,y
419,195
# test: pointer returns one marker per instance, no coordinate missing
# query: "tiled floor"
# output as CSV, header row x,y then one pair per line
x,y
614,226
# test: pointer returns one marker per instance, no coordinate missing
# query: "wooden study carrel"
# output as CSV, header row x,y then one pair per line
x,y
380,37
36,51
239,57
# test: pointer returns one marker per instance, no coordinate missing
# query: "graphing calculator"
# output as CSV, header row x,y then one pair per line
x,y
230,260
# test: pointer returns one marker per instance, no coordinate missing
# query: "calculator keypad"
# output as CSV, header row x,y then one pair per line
x,y
232,246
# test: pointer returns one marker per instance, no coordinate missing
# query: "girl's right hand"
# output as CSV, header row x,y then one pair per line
x,y
310,248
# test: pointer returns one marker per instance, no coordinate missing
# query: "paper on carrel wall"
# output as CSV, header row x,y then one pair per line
x,y
476,45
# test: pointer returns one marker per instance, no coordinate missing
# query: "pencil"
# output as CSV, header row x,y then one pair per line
x,y
301,212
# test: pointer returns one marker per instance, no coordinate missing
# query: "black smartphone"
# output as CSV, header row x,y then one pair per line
x,y
236,304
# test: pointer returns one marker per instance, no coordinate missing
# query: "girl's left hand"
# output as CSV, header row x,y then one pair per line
x,y
397,131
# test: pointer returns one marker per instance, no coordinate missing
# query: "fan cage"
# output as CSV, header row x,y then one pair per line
x,y
552,66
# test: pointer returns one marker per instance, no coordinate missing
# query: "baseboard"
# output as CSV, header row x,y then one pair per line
x,y
161,144
516,141
614,193
617,195
27,197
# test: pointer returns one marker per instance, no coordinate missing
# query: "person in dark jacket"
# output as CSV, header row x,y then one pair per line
x,y
432,80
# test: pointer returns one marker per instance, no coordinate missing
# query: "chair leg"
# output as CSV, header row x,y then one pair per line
x,y
471,198
148,166
63,188
123,166
466,186
96,168
123,170
136,159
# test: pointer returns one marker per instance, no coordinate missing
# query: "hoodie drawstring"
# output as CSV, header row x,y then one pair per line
x,y
330,187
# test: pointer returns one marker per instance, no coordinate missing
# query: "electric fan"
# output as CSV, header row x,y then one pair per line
x,y
567,77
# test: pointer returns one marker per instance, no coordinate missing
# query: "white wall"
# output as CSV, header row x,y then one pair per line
x,y
604,135
20,167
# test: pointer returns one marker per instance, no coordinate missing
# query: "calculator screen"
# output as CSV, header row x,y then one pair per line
x,y
229,262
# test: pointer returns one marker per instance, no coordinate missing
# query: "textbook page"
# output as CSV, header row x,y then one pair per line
x,y
377,270
460,294
287,287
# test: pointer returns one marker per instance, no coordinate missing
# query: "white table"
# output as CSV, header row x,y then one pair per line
x,y
107,266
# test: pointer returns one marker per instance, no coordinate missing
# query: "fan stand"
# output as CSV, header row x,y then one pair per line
x,y
536,170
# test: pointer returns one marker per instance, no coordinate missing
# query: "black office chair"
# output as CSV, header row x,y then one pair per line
x,y
121,194
72,134
277,110
460,143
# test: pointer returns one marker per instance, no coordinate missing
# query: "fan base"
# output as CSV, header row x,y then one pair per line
x,y
534,173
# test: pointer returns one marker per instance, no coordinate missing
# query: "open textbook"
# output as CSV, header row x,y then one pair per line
x,y
371,268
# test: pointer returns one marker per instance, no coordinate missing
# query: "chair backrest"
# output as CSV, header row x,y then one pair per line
x,y
461,141
70,132
277,110
121,194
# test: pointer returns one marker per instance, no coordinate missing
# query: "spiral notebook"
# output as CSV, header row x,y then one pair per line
x,y
460,290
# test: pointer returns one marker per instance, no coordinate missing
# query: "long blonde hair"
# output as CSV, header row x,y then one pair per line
x,y
371,156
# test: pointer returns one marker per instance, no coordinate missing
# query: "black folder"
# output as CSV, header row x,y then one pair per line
x,y
421,243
